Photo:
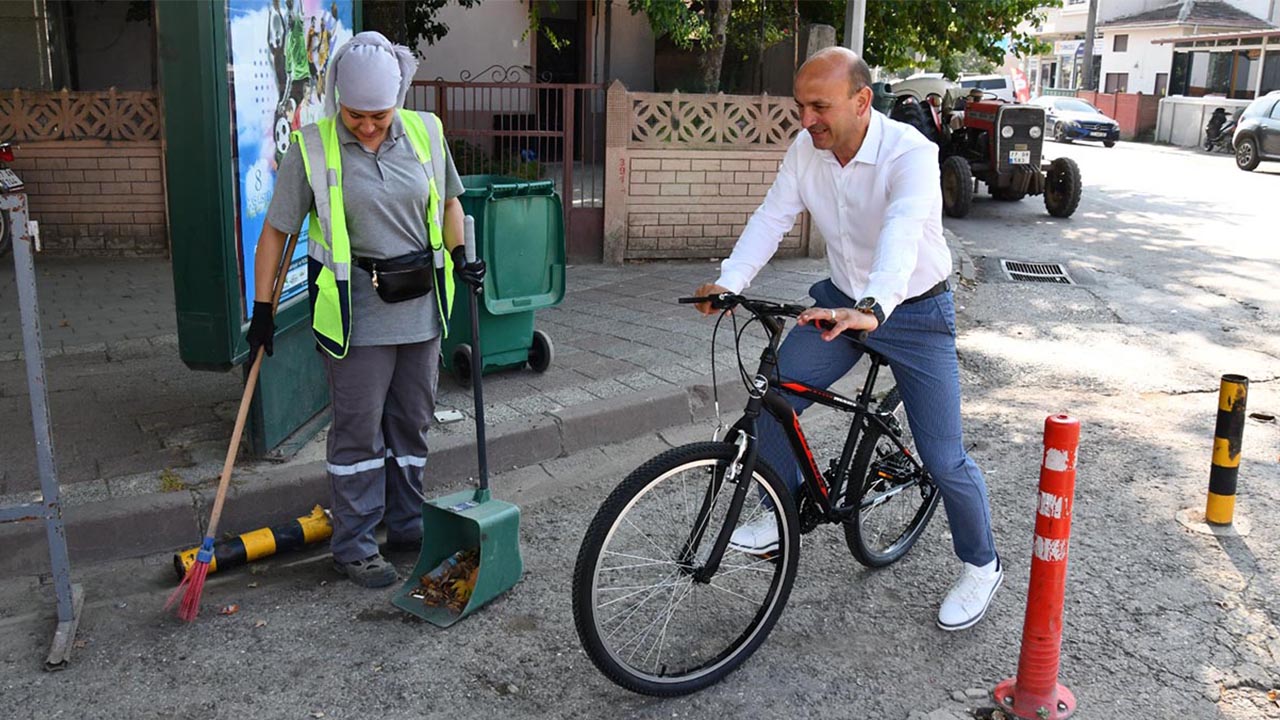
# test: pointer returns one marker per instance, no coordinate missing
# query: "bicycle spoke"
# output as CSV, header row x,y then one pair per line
x,y
651,614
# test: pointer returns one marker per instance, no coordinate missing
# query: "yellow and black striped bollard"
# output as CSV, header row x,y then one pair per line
x,y
1227,438
261,543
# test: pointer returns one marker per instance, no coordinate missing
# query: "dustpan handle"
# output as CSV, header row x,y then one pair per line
x,y
477,358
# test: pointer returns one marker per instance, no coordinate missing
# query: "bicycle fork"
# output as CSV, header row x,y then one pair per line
x,y
741,468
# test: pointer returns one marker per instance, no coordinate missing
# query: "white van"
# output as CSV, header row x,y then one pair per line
x,y
1000,86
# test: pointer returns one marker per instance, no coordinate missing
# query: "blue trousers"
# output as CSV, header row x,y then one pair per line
x,y
919,341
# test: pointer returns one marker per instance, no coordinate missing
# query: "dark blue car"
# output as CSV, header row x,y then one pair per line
x,y
1067,119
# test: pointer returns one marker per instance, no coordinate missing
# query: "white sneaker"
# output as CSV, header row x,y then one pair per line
x,y
968,599
756,537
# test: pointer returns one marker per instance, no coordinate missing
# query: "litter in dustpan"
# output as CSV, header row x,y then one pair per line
x,y
450,584
470,542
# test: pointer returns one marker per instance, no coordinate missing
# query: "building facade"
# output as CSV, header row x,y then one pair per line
x,y
1128,54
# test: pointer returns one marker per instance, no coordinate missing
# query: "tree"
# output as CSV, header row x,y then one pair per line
x,y
948,33
409,23
900,34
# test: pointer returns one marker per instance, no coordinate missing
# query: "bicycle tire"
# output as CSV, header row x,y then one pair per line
x,y
612,522
870,449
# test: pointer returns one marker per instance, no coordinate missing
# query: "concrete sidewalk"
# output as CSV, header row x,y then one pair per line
x,y
139,438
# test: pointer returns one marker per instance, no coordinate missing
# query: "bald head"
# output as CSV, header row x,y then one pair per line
x,y
839,60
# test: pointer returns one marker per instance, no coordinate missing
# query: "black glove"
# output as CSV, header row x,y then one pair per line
x,y
262,330
471,273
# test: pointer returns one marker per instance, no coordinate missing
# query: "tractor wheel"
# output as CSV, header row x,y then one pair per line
x,y
1247,157
1062,187
957,186
6,238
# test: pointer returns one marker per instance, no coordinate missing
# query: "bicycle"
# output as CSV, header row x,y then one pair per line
x,y
648,557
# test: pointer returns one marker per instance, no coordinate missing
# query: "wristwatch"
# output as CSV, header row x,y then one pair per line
x,y
869,306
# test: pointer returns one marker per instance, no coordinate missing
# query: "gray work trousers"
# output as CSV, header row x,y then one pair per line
x,y
383,401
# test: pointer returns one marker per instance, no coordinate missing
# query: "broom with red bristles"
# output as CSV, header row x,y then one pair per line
x,y
192,584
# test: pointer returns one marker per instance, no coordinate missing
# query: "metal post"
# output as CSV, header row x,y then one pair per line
x,y
855,20
1228,435
70,598
569,93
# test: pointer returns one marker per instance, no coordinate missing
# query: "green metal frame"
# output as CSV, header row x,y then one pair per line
x,y
192,53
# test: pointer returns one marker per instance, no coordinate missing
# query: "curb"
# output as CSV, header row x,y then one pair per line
x,y
258,497
962,261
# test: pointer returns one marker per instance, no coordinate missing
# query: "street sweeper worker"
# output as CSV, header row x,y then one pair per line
x,y
383,244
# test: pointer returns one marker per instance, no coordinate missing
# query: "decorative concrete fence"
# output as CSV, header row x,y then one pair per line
x,y
683,173
92,164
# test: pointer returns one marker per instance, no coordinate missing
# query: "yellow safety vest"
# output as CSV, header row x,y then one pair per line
x,y
329,250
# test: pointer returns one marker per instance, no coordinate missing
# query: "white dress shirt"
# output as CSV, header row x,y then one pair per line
x,y
881,215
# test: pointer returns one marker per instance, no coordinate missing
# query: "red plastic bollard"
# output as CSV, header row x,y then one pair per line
x,y
1035,694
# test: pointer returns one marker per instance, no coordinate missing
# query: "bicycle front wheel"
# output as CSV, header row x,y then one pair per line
x,y
644,615
896,496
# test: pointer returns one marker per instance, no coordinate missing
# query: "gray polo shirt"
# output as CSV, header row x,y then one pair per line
x,y
385,197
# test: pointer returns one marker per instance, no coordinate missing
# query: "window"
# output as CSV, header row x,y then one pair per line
x,y
1258,108
1275,112
1162,84
1117,83
1120,44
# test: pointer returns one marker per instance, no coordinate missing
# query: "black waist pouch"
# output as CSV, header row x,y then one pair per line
x,y
400,278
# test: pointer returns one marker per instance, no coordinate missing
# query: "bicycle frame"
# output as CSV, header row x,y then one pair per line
x,y
765,397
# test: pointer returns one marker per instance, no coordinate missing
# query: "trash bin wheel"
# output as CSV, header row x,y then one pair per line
x,y
541,352
462,364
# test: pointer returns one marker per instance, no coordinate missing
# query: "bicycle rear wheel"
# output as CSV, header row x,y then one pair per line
x,y
642,617
898,498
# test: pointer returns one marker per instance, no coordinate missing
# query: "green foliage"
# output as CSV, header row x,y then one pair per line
x,y
899,34
954,35
409,23
470,159
683,23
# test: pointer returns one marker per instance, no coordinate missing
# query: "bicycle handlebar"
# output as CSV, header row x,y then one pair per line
x,y
765,308
728,301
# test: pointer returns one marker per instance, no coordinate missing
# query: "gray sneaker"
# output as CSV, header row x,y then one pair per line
x,y
371,572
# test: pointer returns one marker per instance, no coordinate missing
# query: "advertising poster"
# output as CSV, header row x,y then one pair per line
x,y
279,54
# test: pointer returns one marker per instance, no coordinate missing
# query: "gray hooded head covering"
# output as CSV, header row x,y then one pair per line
x,y
369,72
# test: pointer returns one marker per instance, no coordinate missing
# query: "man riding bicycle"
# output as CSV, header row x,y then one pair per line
x,y
871,186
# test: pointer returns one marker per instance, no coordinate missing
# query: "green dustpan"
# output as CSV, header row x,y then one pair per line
x,y
468,520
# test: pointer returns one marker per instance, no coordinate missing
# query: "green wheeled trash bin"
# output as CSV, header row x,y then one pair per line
x,y
520,237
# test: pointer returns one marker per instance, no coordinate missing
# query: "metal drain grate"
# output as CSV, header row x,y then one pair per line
x,y
1036,272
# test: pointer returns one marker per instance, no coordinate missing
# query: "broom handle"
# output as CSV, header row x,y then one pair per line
x,y
249,385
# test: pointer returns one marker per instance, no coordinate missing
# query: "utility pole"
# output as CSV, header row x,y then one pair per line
x,y
1089,29
855,20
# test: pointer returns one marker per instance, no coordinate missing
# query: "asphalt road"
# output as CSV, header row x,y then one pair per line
x,y
1175,271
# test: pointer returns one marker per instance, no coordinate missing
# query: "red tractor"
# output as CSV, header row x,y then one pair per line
x,y
1000,145
997,143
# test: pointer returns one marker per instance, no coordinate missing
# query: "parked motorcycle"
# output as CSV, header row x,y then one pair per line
x,y
1218,131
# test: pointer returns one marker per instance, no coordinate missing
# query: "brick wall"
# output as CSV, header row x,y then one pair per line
x,y
96,197
695,203
1136,113
92,166
685,172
